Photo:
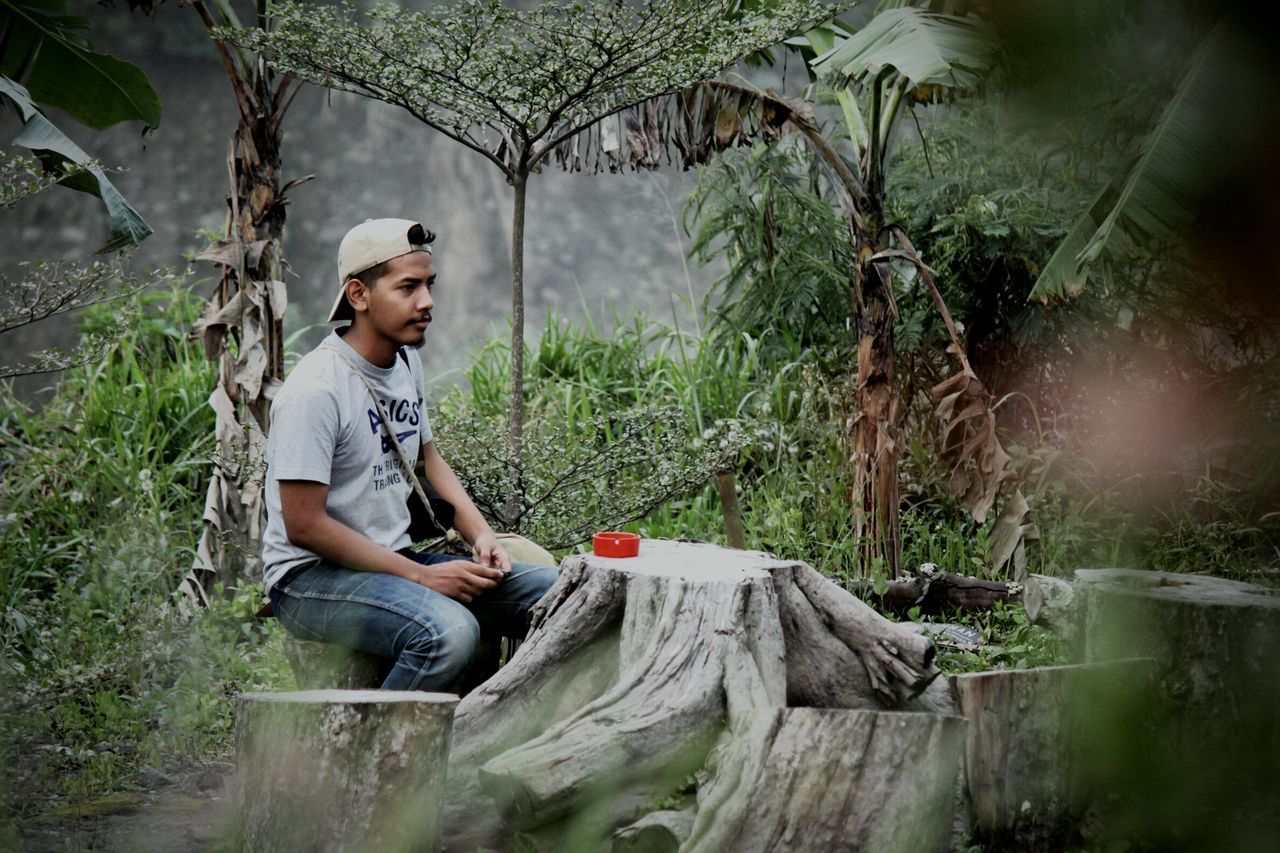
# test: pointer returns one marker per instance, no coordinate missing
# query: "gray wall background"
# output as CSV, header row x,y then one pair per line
x,y
596,245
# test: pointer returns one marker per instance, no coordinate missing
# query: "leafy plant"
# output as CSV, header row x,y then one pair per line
x,y
46,60
787,250
1009,641
585,475
103,486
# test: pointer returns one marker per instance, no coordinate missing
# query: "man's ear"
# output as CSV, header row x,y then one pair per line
x,y
357,295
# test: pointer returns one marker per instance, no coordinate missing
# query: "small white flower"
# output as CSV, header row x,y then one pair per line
x,y
75,497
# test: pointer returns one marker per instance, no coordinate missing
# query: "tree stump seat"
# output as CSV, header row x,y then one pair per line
x,y
1034,746
340,770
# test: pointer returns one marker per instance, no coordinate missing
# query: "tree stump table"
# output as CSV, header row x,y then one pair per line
x,y
650,675
340,770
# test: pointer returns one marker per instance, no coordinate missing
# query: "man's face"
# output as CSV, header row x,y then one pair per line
x,y
398,306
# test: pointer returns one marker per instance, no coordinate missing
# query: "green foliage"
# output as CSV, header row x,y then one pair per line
x,y
103,488
46,48
1009,641
578,476
21,177
983,201
514,83
46,289
605,446
791,474
931,52
788,252
46,60
74,168
1147,205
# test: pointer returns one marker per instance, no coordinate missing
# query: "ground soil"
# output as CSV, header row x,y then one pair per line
x,y
191,816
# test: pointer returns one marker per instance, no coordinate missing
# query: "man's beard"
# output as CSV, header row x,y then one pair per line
x,y
423,339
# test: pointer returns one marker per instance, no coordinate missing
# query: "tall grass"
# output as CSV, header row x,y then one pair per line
x,y
103,488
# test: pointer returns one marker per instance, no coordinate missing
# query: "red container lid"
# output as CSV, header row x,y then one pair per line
x,y
612,543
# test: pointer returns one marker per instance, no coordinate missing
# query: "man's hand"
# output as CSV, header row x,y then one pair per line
x,y
488,552
459,579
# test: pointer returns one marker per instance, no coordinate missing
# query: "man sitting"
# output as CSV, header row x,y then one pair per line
x,y
339,567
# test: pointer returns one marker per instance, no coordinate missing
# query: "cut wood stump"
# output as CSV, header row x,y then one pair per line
x,y
1033,737
1200,753
340,770
835,780
1215,640
1178,617
1049,602
639,672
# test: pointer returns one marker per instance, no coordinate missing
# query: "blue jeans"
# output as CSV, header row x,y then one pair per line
x,y
430,637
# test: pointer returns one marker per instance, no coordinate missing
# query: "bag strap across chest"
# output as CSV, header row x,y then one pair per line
x,y
386,425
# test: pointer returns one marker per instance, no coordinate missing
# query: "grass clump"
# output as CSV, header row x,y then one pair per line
x,y
102,675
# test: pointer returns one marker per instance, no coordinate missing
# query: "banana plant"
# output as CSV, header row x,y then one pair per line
x,y
243,323
47,60
60,156
905,55
1154,197
47,49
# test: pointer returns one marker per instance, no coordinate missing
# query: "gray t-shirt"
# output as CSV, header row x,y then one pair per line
x,y
325,428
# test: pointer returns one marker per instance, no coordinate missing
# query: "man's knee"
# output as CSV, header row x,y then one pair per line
x,y
532,580
448,642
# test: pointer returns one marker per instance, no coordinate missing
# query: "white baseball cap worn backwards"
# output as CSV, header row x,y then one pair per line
x,y
370,243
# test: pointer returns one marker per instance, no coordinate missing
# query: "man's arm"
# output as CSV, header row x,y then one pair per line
x,y
467,520
308,525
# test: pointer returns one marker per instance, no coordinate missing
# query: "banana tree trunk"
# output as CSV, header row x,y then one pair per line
x,y
243,326
874,429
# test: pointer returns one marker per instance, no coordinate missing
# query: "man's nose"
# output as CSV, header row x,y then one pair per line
x,y
425,302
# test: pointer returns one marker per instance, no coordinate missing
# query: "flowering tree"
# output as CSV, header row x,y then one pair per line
x,y
584,85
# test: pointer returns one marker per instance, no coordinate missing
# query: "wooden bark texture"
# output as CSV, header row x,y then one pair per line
x,y
1205,735
639,672
876,429
341,770
1029,750
657,832
1049,602
836,780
